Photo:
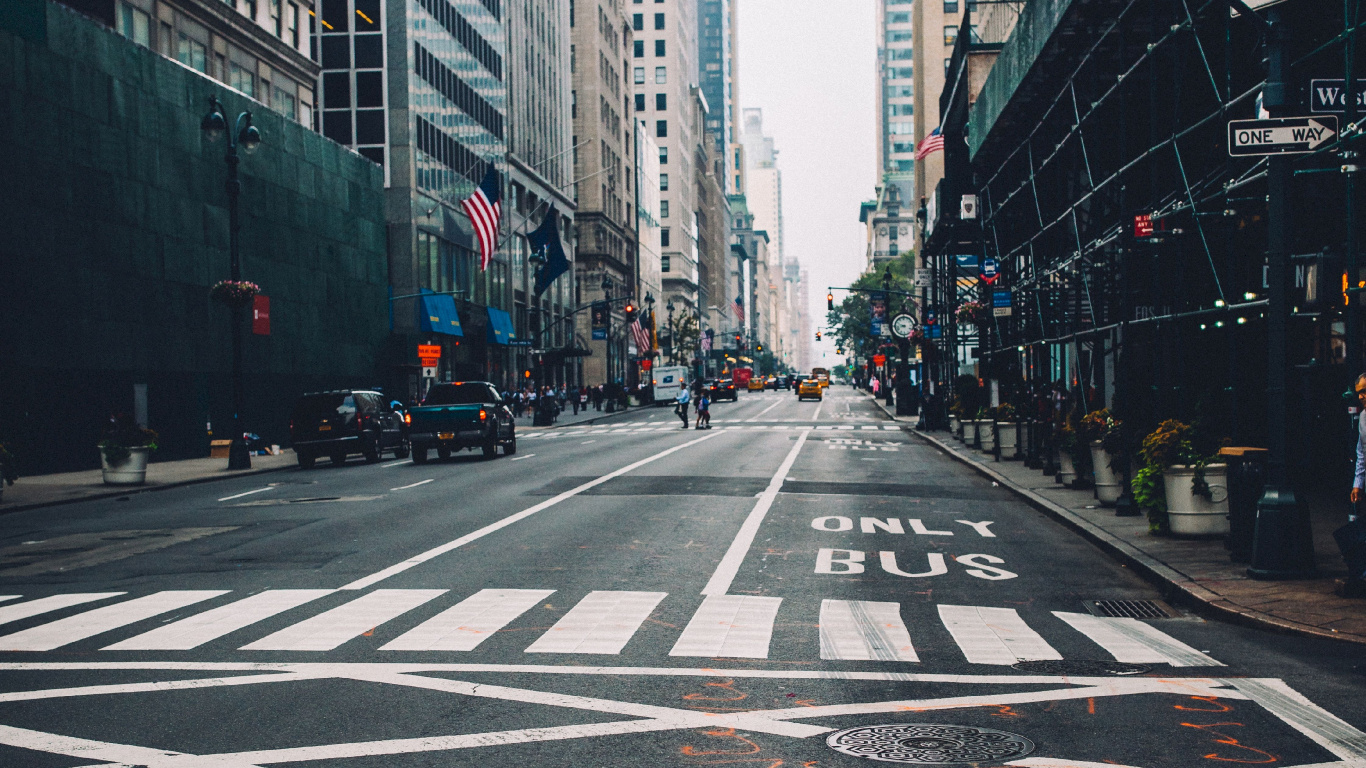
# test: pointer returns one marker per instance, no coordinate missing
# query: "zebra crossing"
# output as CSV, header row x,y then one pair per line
x,y
628,429
603,622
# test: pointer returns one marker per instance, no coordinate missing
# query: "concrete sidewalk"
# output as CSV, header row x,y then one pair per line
x,y
1197,572
64,487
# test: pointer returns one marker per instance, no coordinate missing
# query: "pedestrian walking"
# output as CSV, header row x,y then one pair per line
x,y
703,410
574,400
681,405
597,398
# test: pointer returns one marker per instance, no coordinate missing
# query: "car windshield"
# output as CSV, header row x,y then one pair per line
x,y
459,394
318,407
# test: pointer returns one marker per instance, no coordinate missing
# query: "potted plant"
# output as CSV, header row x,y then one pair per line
x,y
986,429
124,451
972,312
9,469
956,416
1008,431
1093,430
1194,489
1067,464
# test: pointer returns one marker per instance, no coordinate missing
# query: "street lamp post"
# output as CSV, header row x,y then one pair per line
x,y
673,334
607,295
245,135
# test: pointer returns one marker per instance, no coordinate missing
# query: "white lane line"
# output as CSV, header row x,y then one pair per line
x,y
1133,642
817,414
423,557
56,634
469,622
730,626
602,622
526,456
213,624
414,485
1322,727
766,410
857,630
725,573
332,628
55,603
396,463
586,442
994,635
247,493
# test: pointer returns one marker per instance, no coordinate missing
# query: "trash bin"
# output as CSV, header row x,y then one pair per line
x,y
1246,479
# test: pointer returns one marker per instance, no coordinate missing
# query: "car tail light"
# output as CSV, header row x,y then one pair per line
x,y
407,418
483,414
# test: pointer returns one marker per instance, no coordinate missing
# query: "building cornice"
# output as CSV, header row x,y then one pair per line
x,y
541,181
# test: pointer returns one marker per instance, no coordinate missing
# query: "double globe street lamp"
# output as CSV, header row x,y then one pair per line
x,y
246,136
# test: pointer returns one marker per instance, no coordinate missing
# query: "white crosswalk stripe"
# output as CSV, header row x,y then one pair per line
x,y
856,630
994,635
675,427
602,622
730,626
100,620
471,622
213,624
48,604
328,630
1132,641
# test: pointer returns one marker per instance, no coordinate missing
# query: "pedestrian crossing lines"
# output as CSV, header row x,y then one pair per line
x,y
631,429
603,622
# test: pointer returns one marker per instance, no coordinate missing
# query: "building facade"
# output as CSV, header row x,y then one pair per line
x,y
896,97
265,49
935,30
420,87
606,162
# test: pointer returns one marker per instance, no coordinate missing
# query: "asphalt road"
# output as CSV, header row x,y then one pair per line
x,y
629,594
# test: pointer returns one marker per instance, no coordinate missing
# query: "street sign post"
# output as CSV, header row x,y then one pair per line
x,y
990,270
1280,135
1329,95
1001,303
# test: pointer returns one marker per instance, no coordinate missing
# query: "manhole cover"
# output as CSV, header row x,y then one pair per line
x,y
1082,667
929,744
1132,609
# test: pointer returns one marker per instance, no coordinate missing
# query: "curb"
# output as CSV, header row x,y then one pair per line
x,y
138,489
1177,586
890,414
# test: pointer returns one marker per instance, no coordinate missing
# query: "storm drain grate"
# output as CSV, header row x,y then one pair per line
x,y
929,744
1079,667
1131,609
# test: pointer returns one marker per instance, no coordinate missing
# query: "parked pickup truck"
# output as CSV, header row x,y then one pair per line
x,y
461,414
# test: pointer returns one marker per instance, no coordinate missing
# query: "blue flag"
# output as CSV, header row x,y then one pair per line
x,y
545,242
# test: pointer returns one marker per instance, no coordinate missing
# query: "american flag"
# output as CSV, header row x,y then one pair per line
x,y
485,209
930,144
706,341
739,307
641,336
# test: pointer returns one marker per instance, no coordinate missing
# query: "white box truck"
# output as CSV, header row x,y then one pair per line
x,y
668,380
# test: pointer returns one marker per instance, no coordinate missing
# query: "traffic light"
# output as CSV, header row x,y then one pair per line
x,y
737,341
818,335
630,311
759,348
830,301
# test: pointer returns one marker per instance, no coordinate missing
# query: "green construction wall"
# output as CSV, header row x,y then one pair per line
x,y
116,225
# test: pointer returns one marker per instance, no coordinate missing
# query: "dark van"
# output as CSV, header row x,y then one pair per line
x,y
345,422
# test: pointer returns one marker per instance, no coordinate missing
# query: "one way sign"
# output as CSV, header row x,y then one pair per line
x,y
1280,136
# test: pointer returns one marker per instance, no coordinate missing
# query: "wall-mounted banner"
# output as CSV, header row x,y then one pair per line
x,y
600,316
877,300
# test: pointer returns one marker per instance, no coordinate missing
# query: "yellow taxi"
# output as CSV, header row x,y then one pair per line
x,y
809,388
756,384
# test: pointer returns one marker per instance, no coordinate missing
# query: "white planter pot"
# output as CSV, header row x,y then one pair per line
x,y
953,425
1067,472
1196,515
1109,485
988,435
1009,434
133,471
972,433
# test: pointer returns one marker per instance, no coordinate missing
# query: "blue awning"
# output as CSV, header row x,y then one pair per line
x,y
437,314
500,327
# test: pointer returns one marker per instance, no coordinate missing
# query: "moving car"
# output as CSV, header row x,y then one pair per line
x,y
810,388
344,422
756,384
722,389
822,375
461,414
773,382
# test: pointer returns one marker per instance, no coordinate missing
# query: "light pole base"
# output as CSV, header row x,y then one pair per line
x,y
1126,506
238,455
1283,545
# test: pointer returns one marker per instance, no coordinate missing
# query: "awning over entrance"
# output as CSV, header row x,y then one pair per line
x,y
500,327
437,314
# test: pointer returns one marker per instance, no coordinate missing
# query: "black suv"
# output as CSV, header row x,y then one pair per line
x,y
722,389
338,424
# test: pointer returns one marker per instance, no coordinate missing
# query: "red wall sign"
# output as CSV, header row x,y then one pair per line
x,y
260,315
1143,225
879,360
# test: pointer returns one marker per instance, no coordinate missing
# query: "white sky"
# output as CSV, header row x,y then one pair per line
x,y
811,66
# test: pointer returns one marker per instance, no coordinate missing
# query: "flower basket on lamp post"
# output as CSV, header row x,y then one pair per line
x,y
236,294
